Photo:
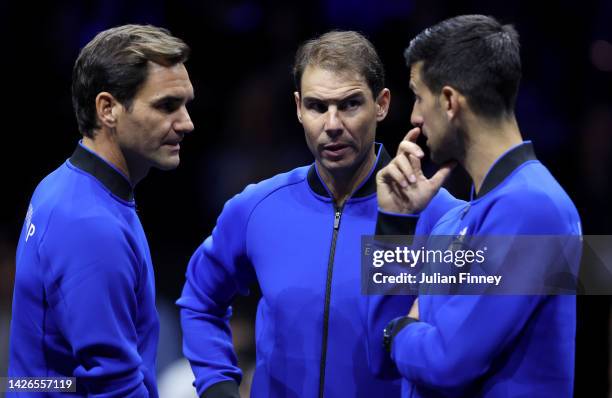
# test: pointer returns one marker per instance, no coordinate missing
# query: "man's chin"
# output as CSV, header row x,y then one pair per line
x,y
337,165
168,164
439,158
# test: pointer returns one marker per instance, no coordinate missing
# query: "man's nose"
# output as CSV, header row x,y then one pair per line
x,y
184,124
333,123
415,118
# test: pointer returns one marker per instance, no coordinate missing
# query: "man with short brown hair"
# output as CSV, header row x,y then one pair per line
x,y
298,235
84,299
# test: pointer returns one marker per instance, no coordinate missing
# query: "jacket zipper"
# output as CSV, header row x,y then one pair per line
x,y
328,285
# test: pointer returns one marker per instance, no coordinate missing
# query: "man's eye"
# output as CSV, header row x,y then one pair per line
x,y
317,107
350,105
168,106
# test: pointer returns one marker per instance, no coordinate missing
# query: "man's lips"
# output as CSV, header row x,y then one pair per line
x,y
173,140
174,145
335,150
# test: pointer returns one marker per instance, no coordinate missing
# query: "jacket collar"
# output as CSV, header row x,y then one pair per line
x,y
504,166
367,187
110,177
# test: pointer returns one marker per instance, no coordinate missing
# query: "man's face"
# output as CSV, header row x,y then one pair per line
x,y
150,133
429,114
339,116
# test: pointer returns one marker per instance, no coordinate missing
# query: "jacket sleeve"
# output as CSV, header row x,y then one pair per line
x,y
218,271
92,279
459,342
382,309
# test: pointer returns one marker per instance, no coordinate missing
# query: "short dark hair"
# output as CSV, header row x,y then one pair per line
x,y
116,61
341,51
476,55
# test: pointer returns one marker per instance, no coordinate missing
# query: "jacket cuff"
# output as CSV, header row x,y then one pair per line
x,y
396,224
399,326
223,389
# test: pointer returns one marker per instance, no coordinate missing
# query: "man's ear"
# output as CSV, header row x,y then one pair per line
x,y
452,101
107,108
298,110
382,104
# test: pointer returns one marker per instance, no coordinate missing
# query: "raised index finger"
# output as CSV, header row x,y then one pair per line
x,y
413,134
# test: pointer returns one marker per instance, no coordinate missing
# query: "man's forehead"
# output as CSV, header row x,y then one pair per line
x,y
164,81
323,83
415,74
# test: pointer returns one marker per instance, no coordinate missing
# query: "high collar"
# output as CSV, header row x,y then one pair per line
x,y
366,188
109,176
504,166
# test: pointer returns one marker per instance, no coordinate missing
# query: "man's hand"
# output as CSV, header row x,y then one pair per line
x,y
414,310
401,185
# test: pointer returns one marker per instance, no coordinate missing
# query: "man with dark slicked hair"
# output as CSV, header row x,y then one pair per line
x,y
465,74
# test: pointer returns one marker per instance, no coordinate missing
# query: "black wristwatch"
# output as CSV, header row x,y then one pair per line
x,y
393,328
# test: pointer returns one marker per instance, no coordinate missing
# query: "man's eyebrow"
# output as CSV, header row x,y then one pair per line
x,y
358,94
172,98
352,96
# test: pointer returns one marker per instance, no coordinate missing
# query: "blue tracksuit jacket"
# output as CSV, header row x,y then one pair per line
x,y
84,299
492,346
286,234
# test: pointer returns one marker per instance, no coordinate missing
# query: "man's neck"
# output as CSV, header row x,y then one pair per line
x,y
105,146
343,183
485,143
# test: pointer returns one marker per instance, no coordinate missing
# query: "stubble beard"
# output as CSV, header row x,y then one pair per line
x,y
450,148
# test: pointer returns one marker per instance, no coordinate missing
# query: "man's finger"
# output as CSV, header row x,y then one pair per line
x,y
413,134
407,147
391,173
415,162
438,179
405,167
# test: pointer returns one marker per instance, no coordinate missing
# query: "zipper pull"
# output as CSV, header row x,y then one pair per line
x,y
337,219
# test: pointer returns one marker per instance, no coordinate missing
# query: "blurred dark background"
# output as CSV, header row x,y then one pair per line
x,y
246,128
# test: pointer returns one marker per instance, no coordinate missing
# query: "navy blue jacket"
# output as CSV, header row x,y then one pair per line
x,y
287,234
84,299
493,346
